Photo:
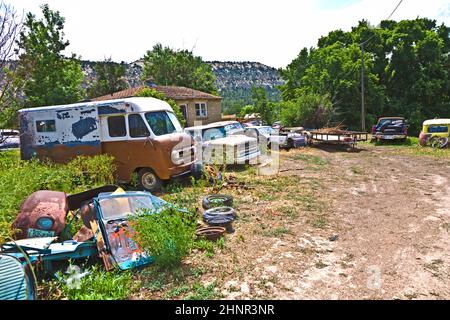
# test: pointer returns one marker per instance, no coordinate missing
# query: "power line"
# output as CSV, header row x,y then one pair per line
x,y
363,107
388,18
398,5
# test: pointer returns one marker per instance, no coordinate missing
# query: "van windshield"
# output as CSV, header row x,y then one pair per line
x,y
163,122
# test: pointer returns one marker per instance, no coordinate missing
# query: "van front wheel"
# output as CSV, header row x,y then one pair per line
x,y
148,180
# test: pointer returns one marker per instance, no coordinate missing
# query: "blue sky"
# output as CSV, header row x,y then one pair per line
x,y
267,31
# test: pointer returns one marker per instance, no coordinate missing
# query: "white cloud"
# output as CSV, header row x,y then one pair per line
x,y
272,32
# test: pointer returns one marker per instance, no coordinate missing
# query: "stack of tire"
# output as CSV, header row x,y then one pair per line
x,y
219,211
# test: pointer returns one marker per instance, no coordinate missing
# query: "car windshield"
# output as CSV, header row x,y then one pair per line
x,y
391,121
163,122
123,206
234,128
267,131
214,133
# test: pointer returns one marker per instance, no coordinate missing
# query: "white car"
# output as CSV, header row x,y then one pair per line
x,y
269,136
225,143
9,139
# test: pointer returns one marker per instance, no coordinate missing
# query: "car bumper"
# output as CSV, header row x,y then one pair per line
x,y
390,136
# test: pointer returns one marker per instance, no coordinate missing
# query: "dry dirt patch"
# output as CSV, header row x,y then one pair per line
x,y
372,224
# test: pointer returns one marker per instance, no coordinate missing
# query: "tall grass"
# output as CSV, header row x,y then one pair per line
x,y
411,146
18,179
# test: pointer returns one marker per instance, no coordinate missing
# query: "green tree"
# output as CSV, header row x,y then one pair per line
x,y
334,71
407,71
248,109
50,78
10,84
266,109
152,93
307,110
167,66
109,78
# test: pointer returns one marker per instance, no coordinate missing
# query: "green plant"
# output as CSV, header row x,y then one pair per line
x,y
201,292
168,236
21,178
276,232
313,162
206,246
319,222
177,291
97,285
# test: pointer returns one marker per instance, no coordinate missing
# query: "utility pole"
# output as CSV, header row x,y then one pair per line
x,y
363,107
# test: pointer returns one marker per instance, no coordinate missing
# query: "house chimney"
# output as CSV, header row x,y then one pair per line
x,y
150,82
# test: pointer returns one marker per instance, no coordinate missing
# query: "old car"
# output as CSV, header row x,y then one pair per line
x,y
106,232
224,143
9,139
44,212
269,137
390,128
435,133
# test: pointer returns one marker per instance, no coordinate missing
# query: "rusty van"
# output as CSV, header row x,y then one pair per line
x,y
142,134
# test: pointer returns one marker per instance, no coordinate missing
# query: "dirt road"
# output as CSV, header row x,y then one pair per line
x,y
373,224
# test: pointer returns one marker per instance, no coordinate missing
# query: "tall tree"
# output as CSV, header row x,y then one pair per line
x,y
167,66
50,77
10,25
109,78
406,71
265,108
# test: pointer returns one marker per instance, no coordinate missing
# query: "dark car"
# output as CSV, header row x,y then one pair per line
x,y
390,128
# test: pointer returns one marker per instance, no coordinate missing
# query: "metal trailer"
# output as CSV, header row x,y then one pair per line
x,y
347,138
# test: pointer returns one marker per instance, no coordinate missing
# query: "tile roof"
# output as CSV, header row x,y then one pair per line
x,y
171,92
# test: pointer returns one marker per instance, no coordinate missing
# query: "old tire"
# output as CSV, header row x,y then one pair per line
x,y
219,216
217,200
149,180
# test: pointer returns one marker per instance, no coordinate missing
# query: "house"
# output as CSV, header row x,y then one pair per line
x,y
198,108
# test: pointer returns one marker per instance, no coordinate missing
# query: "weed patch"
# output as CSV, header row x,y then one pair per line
x,y
97,285
168,236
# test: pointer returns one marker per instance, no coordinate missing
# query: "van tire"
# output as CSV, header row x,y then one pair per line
x,y
149,180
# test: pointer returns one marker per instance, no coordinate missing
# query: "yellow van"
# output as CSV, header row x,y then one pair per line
x,y
435,133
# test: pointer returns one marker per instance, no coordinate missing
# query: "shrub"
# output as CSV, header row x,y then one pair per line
x,y
168,236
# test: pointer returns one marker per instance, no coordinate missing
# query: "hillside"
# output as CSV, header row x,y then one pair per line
x,y
234,79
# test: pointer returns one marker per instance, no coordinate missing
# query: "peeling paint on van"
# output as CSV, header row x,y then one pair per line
x,y
83,127
103,110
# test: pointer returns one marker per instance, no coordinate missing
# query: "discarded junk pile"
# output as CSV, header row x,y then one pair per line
x,y
43,236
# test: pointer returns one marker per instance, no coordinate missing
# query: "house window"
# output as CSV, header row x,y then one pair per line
x,y
45,126
116,126
201,110
137,126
